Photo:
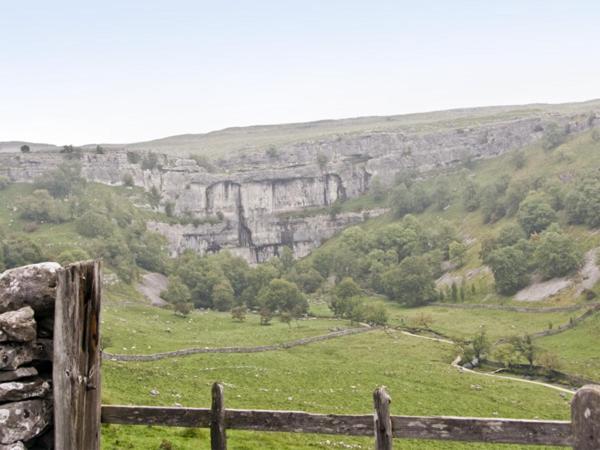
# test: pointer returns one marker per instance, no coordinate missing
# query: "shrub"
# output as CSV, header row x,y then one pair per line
x,y
509,266
128,180
73,255
20,251
535,213
25,148
177,291
554,135
4,182
239,313
556,255
518,159
62,181
150,161
133,157
204,161
93,224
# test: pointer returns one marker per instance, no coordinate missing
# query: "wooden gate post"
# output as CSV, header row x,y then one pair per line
x,y
76,359
382,419
585,418
218,437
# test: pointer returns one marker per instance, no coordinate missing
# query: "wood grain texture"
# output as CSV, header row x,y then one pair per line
x,y
585,413
218,437
76,368
382,420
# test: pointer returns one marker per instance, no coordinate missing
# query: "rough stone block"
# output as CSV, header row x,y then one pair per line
x,y
15,446
23,390
13,355
33,285
18,326
22,421
17,374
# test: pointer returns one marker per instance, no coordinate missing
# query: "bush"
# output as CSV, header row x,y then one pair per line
x,y
239,313
535,213
25,149
150,161
133,157
93,224
222,296
4,182
128,180
72,256
518,159
556,255
554,135
411,282
509,266
203,161
20,251
62,181
177,291
41,207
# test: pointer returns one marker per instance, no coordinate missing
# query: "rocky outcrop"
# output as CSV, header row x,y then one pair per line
x,y
27,296
240,205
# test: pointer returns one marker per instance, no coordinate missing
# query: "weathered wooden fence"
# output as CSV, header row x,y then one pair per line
x,y
581,433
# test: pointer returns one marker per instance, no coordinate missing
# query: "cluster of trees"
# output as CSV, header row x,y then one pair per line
x,y
227,283
509,353
399,260
513,255
347,302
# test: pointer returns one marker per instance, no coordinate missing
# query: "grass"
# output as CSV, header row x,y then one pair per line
x,y
339,379
137,329
577,349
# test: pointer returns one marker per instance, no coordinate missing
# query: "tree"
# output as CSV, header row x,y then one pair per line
x,y
20,251
177,291
556,255
375,313
222,296
583,202
183,308
25,148
518,159
411,282
347,288
480,345
266,315
525,347
377,189
457,252
509,266
470,197
281,295
239,313
62,181
535,213
41,207
554,135
510,234
286,317
441,193
93,224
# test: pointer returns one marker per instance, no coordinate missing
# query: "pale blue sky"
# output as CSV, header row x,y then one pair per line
x,y
121,71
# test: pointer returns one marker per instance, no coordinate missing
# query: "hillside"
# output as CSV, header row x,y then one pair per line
x,y
430,252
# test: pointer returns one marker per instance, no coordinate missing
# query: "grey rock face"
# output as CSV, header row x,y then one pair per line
x,y
33,285
244,207
23,390
18,326
22,421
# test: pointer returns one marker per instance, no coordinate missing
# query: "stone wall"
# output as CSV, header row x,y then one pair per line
x,y
27,296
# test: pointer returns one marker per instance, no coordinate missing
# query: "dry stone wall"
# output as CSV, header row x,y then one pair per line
x,y
27,297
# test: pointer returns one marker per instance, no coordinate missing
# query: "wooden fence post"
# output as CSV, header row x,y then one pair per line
x,y
218,437
382,419
585,418
76,357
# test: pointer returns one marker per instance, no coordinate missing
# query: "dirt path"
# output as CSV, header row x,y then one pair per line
x,y
457,366
151,285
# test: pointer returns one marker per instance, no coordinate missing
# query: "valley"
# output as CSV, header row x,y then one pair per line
x,y
476,229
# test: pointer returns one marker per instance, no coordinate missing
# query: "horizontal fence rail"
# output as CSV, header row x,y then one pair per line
x,y
582,433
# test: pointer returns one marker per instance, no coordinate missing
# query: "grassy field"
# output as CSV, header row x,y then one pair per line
x,y
577,348
339,379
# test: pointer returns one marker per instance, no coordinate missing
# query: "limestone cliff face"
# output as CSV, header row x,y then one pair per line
x,y
251,193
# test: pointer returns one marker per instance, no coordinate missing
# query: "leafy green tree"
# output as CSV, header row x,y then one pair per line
x,y
556,254
308,280
222,296
183,308
583,202
509,266
73,255
375,313
43,208
62,181
281,295
457,252
377,189
470,196
411,282
525,347
176,292
516,192
441,193
25,148
93,224
150,252
266,315
509,234
554,135
20,251
492,205
347,288
480,345
239,313
535,213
